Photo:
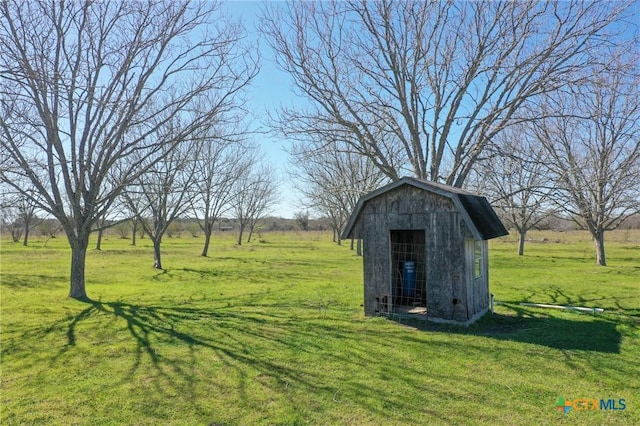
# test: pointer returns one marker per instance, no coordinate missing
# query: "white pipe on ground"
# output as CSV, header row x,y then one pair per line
x,y
574,308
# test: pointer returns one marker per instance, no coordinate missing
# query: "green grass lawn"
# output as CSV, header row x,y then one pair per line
x,y
273,332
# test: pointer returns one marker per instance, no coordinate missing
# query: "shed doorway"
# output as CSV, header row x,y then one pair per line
x,y
408,271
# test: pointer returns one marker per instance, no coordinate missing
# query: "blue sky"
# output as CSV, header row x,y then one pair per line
x,y
270,89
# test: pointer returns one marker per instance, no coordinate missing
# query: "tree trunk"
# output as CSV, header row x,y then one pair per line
x,y
134,228
78,257
359,247
240,235
352,241
157,258
250,234
26,235
522,235
598,241
99,242
207,239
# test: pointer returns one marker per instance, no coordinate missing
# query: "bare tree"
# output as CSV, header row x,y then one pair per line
x,y
102,224
222,160
9,218
19,212
27,209
591,134
22,211
132,202
436,80
84,87
165,191
332,179
256,192
123,228
515,178
49,228
302,219
114,217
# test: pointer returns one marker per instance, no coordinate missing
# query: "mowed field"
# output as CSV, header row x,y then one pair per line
x,y
273,333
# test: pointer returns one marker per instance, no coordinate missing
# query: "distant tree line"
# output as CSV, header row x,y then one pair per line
x,y
181,227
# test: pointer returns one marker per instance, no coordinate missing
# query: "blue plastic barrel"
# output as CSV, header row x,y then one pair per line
x,y
409,279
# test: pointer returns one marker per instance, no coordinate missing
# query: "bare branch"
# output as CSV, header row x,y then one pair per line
x,y
429,82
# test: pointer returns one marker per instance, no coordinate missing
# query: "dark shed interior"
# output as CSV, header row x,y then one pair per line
x,y
408,265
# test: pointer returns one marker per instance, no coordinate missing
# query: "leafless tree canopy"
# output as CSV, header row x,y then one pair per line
x,y
515,178
433,80
19,212
254,195
223,159
164,192
331,179
592,136
85,86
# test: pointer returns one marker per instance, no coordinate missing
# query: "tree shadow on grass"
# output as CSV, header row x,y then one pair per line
x,y
265,355
176,339
569,331
247,340
151,326
557,295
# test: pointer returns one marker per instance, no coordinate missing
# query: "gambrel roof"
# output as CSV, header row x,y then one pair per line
x,y
476,211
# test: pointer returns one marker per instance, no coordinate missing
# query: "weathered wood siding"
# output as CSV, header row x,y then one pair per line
x,y
477,288
377,270
481,287
447,270
446,289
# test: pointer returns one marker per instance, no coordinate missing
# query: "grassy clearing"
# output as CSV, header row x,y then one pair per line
x,y
273,333
559,268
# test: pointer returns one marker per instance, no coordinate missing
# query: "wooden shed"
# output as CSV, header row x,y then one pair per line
x,y
425,250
